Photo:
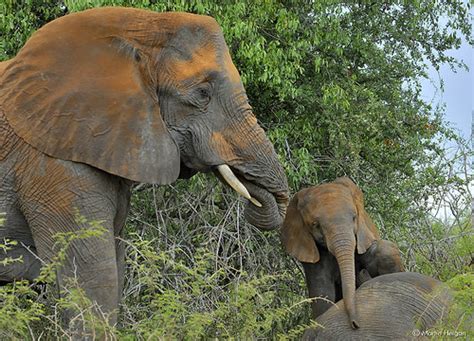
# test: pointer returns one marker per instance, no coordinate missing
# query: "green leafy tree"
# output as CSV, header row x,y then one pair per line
x,y
20,18
337,85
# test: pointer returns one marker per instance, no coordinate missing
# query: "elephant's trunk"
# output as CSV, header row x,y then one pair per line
x,y
263,176
343,250
272,212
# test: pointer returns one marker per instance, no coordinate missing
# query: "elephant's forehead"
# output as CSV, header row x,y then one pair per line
x,y
329,195
200,63
327,202
201,60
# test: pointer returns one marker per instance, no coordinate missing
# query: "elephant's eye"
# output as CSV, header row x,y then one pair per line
x,y
203,95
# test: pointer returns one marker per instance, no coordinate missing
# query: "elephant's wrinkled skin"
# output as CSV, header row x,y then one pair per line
x,y
396,306
382,257
103,98
328,230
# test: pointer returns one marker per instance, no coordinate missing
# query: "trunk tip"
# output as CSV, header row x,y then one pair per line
x,y
354,324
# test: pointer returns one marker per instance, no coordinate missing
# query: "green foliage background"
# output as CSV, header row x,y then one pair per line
x,y
337,87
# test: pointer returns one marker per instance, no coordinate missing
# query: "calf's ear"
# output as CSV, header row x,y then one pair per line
x,y
296,236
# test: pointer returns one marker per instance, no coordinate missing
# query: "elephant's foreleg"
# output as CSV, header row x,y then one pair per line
x,y
90,264
123,206
321,286
60,197
120,254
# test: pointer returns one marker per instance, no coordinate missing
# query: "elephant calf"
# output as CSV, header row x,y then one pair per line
x,y
382,257
328,230
397,306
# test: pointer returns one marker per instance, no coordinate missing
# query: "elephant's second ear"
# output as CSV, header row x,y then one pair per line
x,y
296,236
366,232
80,91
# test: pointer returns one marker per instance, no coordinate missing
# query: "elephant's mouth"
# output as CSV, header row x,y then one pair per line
x,y
185,172
265,207
266,195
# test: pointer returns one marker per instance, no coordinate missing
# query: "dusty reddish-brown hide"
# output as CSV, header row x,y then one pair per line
x,y
101,97
303,211
367,228
84,89
329,218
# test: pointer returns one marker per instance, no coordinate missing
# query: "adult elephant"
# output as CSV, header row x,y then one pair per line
x,y
329,231
103,98
399,306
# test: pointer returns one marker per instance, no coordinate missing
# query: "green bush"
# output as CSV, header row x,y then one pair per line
x,y
337,86
185,296
169,294
28,311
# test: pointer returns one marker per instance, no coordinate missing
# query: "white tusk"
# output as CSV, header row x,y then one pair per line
x,y
232,180
235,183
255,202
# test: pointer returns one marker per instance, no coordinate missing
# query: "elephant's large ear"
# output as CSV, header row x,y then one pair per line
x,y
80,91
296,236
366,232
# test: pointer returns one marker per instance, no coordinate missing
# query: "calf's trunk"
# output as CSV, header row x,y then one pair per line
x,y
344,253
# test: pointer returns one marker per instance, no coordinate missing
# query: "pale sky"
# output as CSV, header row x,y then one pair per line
x,y
458,91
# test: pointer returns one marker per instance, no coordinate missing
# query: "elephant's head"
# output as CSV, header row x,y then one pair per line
x,y
333,216
146,96
383,257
